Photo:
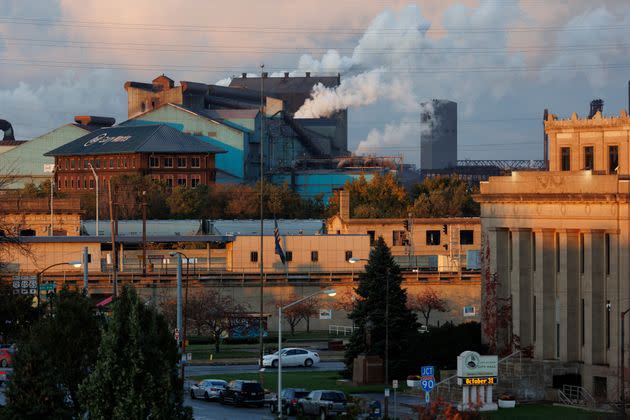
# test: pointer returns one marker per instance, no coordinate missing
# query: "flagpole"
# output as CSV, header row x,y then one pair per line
x,y
262,272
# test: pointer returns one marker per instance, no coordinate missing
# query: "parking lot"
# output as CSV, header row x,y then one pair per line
x,y
205,410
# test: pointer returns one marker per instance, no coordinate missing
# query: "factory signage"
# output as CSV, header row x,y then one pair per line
x,y
471,364
325,314
104,138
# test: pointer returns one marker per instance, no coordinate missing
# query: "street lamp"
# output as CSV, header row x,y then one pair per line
x,y
354,261
96,181
179,303
75,264
329,292
622,387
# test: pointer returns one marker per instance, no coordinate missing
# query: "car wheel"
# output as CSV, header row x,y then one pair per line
x,y
192,394
308,362
206,396
322,414
5,363
274,364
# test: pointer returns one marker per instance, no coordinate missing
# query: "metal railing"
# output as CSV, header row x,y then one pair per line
x,y
576,396
341,329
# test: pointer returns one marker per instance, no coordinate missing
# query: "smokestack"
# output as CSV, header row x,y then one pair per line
x,y
545,140
8,130
308,74
596,105
286,74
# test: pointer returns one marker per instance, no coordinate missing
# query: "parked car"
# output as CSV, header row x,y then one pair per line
x,y
208,389
241,392
290,398
323,403
292,357
6,356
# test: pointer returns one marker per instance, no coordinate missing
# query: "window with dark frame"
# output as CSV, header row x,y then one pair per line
x,y
98,164
613,159
194,181
253,256
154,162
348,255
588,157
433,237
181,162
399,238
181,182
372,235
168,162
288,256
195,162
466,237
314,256
169,182
565,158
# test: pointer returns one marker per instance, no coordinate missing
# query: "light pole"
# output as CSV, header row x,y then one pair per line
x,y
622,387
179,301
354,261
329,292
96,181
75,264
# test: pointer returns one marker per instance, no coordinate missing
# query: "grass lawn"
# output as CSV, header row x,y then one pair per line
x,y
543,412
203,351
297,379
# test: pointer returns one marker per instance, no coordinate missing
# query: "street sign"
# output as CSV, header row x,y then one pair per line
x,y
176,334
47,287
427,378
325,314
387,392
189,356
395,384
25,285
427,397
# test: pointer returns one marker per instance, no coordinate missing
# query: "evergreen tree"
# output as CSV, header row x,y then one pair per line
x,y
136,371
369,309
53,359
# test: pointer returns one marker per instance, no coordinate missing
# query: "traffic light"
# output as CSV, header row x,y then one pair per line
x,y
445,228
406,224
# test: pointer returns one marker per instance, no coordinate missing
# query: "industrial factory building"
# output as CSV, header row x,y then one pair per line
x,y
438,138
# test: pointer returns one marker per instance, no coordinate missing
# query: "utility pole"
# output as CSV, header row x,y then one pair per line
x,y
144,233
112,227
386,402
262,270
52,190
179,310
97,202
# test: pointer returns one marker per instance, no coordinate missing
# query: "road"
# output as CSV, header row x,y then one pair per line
x,y
194,370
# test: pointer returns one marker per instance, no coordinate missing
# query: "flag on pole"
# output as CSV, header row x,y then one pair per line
x,y
279,250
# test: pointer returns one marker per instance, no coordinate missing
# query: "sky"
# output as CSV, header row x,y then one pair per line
x,y
502,61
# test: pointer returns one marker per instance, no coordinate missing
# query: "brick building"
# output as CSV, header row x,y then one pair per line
x,y
160,151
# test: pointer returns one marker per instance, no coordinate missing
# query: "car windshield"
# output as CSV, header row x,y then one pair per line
x,y
333,396
252,387
300,394
218,383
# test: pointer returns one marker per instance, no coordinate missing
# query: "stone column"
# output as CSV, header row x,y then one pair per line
x,y
569,296
594,298
613,291
544,290
521,285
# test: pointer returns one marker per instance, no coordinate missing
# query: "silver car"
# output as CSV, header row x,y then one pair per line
x,y
208,389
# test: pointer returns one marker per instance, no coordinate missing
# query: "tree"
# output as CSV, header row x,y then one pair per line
x,y
17,313
304,310
54,358
310,308
427,301
369,312
382,196
222,313
445,196
136,370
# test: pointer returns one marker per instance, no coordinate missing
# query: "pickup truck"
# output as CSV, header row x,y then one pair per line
x,y
324,404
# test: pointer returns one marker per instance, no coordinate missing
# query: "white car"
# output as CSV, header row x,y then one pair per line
x,y
208,389
292,357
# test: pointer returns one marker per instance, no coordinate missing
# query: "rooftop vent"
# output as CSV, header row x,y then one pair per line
x,y
596,105
94,121
8,130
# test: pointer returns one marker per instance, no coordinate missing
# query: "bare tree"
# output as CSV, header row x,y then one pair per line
x,y
426,302
222,314
309,308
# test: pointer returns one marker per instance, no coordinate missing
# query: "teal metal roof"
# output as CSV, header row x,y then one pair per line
x,y
159,138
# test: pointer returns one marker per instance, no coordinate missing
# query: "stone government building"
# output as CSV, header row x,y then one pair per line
x,y
558,241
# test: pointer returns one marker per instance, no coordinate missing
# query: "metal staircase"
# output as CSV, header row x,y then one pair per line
x,y
576,396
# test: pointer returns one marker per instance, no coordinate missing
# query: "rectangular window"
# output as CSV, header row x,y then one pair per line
x,y
194,181
557,252
181,162
608,307
399,238
348,255
534,319
466,237
154,162
581,253
98,163
85,164
84,183
194,162
534,251
433,237
588,157
314,256
169,182
288,255
168,162
582,337
65,161
111,164
253,256
73,183
91,183
613,159
181,182
607,251
565,158
371,234
125,162
65,183
71,163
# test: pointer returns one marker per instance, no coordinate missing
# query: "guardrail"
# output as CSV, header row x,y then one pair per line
x,y
341,329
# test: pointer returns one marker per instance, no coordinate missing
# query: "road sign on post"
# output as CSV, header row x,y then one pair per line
x,y
176,334
395,384
427,380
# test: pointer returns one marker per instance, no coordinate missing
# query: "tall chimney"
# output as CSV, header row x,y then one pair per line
x,y
286,74
244,75
265,74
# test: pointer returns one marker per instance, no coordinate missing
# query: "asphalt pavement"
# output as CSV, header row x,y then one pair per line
x,y
197,370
